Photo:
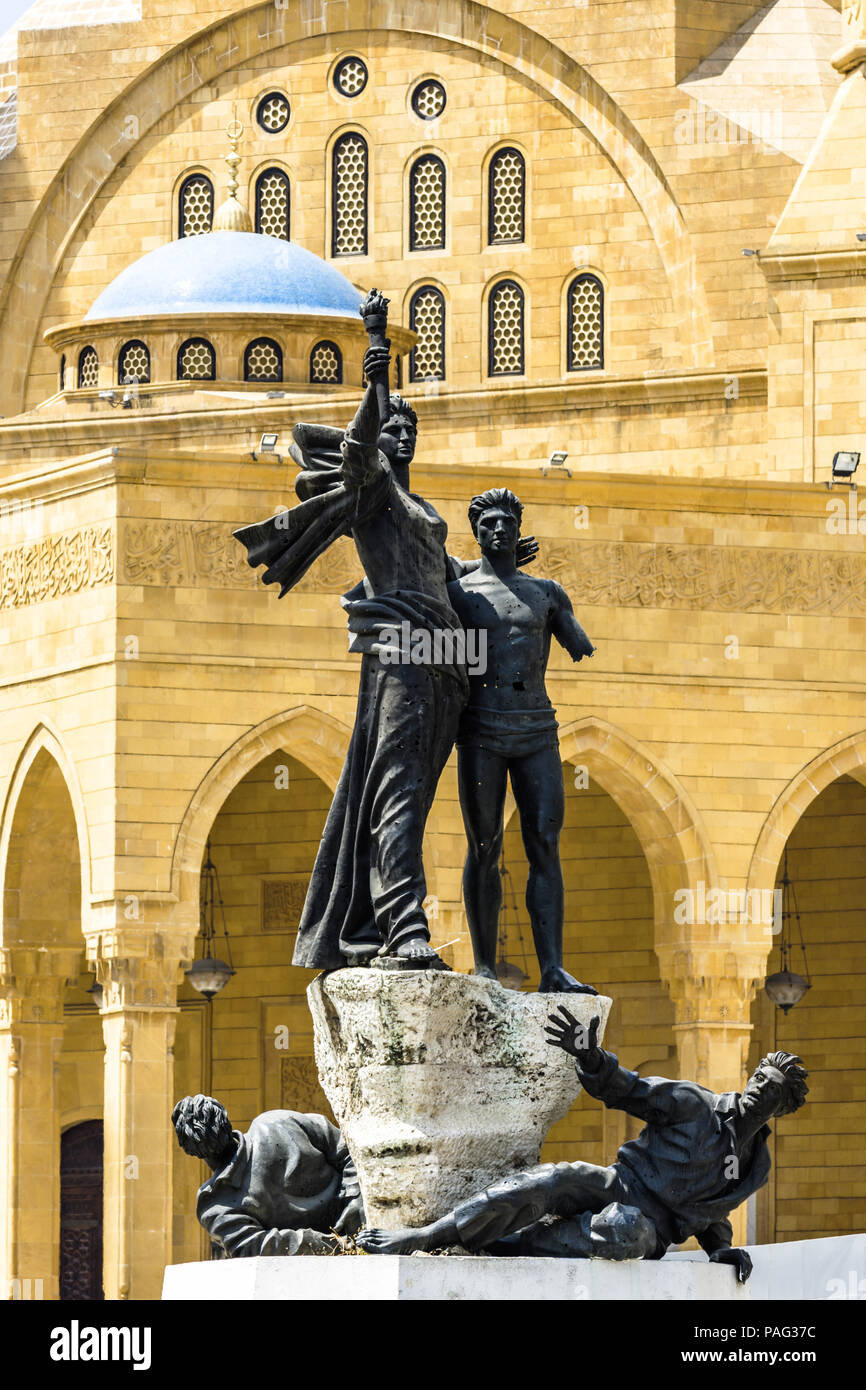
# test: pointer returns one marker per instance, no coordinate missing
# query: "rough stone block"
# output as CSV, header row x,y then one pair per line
x,y
440,1082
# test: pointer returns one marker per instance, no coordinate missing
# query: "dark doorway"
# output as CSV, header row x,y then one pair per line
x,y
81,1212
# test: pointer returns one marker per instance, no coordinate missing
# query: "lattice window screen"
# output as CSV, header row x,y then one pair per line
x,y
428,99
427,204
263,361
427,317
133,364
88,367
506,329
507,196
585,324
196,205
350,77
350,196
272,113
272,204
326,365
196,361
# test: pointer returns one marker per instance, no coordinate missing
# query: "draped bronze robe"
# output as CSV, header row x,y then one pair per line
x,y
368,884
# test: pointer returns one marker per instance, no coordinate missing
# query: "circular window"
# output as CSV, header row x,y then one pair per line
x,y
273,112
428,99
350,77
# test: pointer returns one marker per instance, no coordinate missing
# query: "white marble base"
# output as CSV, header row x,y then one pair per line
x,y
832,1268
397,1278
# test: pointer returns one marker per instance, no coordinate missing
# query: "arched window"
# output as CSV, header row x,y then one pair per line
x,y
427,317
195,206
507,196
427,204
349,196
263,360
63,371
88,367
326,364
196,360
133,363
273,204
505,329
585,324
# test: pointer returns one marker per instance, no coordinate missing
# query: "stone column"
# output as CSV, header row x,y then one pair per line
x,y
138,971
32,985
712,987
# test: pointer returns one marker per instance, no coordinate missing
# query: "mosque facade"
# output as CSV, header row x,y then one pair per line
x,y
626,232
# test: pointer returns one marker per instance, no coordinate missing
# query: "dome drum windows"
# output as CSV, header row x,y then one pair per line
x,y
427,204
585,324
506,197
196,360
133,364
505,330
195,206
349,196
350,77
326,364
88,368
273,112
273,204
427,318
263,360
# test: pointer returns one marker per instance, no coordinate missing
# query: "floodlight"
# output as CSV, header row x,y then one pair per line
x,y
556,460
845,465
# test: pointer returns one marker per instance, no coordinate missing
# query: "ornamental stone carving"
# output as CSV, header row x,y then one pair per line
x,y
737,579
621,574
56,565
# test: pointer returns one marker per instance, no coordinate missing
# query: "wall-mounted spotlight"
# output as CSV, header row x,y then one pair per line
x,y
267,445
845,465
556,460
861,236
750,251
110,396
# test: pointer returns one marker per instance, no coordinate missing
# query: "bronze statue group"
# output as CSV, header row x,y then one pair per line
x,y
288,1185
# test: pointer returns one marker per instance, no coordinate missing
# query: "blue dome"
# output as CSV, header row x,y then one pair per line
x,y
228,273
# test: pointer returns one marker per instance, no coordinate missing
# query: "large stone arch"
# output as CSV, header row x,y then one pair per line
x,y
314,738
246,35
43,758
668,825
848,757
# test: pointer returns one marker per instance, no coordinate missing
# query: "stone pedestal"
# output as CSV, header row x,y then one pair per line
x,y
441,1083
437,1278
831,1268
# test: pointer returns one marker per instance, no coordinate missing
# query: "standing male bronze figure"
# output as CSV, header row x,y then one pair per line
x,y
509,728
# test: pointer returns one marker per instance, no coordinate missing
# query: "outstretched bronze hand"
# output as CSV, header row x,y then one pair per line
x,y
563,1030
527,550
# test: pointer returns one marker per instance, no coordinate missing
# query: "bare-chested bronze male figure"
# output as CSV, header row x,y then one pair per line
x,y
509,727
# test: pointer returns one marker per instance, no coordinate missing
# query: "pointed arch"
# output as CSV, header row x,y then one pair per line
x,y
846,758
42,749
674,841
316,739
